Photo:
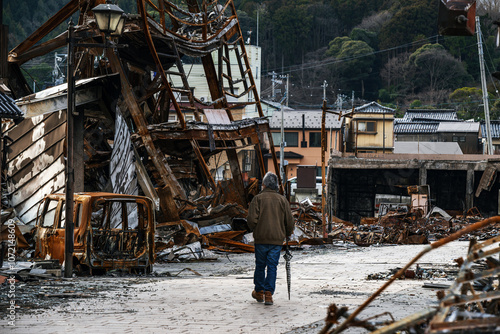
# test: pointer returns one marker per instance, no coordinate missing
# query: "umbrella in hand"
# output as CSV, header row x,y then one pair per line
x,y
288,256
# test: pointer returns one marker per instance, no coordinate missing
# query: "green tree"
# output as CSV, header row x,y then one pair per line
x,y
369,37
417,18
467,101
353,60
432,68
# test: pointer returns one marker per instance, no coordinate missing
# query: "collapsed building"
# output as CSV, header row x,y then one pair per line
x,y
125,141
357,185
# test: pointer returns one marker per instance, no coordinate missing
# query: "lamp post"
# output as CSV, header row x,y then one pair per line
x,y
110,20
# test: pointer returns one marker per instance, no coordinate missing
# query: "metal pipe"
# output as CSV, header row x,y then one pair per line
x,y
69,225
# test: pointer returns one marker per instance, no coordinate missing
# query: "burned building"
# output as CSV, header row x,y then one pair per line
x,y
456,182
124,99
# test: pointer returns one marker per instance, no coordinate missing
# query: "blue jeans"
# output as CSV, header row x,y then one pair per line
x,y
266,256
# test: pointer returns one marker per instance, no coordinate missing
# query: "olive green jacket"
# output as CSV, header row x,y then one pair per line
x,y
270,218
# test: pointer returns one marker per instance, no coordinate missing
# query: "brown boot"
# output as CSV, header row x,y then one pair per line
x,y
269,298
259,296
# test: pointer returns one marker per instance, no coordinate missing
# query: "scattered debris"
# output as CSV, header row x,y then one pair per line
x,y
470,304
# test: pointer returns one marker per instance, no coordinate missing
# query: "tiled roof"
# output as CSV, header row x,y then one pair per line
x,y
312,120
373,108
495,129
9,109
430,115
415,127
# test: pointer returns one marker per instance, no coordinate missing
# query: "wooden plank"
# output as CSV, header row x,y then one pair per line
x,y
216,116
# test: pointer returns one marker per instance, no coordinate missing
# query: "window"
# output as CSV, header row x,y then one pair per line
x,y
318,172
62,219
314,139
291,139
462,138
367,126
454,138
50,212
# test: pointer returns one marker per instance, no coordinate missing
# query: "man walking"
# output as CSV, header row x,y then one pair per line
x,y
270,219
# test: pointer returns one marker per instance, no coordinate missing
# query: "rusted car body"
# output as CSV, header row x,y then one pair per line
x,y
112,231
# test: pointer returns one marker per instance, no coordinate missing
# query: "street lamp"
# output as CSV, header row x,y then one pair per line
x,y
110,21
108,17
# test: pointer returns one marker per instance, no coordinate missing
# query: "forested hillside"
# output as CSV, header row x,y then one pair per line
x,y
382,50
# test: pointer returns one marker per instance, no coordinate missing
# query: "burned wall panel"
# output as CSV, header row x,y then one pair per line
x,y
122,168
35,162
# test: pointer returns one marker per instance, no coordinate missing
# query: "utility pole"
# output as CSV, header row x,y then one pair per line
x,y
324,85
483,87
273,82
287,81
286,77
283,143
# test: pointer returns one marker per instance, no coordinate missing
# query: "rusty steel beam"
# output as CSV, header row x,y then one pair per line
x,y
258,150
201,134
250,75
469,324
213,83
203,163
62,15
159,67
157,157
407,322
237,178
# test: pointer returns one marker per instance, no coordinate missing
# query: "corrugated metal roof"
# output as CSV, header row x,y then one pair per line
x,y
312,120
8,108
415,127
373,108
458,127
495,129
412,147
431,114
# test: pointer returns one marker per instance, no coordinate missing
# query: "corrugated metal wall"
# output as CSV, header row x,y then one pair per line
x,y
35,162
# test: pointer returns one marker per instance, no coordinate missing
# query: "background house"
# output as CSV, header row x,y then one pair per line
x,y
302,134
438,125
371,129
495,135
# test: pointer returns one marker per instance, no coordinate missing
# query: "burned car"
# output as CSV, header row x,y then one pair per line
x,y
112,231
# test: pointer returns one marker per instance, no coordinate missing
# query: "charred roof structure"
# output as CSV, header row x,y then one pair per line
x,y
124,97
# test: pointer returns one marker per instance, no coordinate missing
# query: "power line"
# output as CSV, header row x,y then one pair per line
x,y
305,66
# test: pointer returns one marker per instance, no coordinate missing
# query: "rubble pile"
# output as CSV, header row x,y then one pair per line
x,y
469,304
411,228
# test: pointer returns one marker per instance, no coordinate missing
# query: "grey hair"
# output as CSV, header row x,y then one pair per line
x,y
270,180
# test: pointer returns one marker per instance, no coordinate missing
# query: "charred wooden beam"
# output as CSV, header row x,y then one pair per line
x,y
62,15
